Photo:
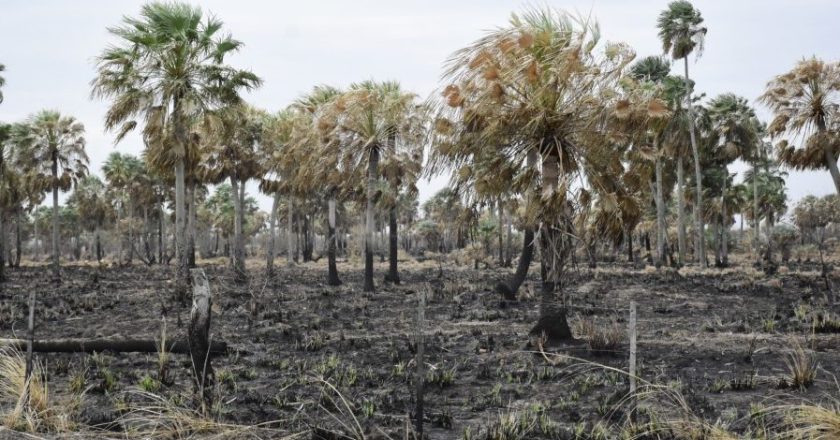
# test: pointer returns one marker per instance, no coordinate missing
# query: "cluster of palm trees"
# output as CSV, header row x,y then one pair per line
x,y
544,128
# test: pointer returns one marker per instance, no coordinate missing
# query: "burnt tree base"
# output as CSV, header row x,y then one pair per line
x,y
553,328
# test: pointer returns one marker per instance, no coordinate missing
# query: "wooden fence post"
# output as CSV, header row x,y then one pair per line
x,y
632,368
199,336
420,379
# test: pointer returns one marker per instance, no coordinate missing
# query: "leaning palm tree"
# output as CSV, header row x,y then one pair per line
x,y
52,153
543,84
806,104
681,32
167,69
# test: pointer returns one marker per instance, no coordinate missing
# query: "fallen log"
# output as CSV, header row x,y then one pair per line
x,y
114,345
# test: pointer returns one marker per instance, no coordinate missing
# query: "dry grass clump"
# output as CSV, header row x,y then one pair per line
x,y
25,404
813,422
600,337
802,366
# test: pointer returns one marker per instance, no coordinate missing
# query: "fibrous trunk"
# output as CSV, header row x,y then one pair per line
x,y
373,174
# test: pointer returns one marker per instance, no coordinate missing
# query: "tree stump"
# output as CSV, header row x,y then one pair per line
x,y
198,336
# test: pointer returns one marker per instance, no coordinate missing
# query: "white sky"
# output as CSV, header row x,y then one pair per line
x,y
48,47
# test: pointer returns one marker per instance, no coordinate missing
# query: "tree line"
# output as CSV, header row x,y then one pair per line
x,y
549,134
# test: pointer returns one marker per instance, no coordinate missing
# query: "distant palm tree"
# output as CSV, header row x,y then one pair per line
x,y
169,69
2,82
738,134
52,153
228,152
374,120
123,172
806,104
681,32
89,198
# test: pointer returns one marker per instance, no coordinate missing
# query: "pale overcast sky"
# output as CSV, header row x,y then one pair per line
x,y
48,47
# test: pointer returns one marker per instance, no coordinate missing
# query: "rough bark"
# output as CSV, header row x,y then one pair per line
x,y
272,232
373,175
198,335
393,275
239,275
290,231
555,248
183,274
508,289
332,273
55,245
660,215
681,227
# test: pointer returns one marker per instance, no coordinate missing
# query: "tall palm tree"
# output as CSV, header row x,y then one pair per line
x,y
229,153
681,32
649,74
323,164
52,153
89,197
376,123
543,81
738,134
167,69
806,104
122,173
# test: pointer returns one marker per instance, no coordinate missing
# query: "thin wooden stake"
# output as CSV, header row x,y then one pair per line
x,y
421,370
632,368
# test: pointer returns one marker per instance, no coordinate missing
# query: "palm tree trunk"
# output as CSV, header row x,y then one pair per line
x,y
98,244
191,224
724,223
272,228
393,246
554,249
2,246
499,221
18,241
700,239
755,230
332,275
183,278
508,289
238,246
681,233
129,217
55,244
290,231
831,163
509,244
373,175
660,215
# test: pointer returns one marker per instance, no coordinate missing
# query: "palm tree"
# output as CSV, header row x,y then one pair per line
x,y
52,153
540,84
736,130
2,81
122,173
168,70
90,198
649,74
276,149
681,32
323,166
377,124
806,104
229,153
